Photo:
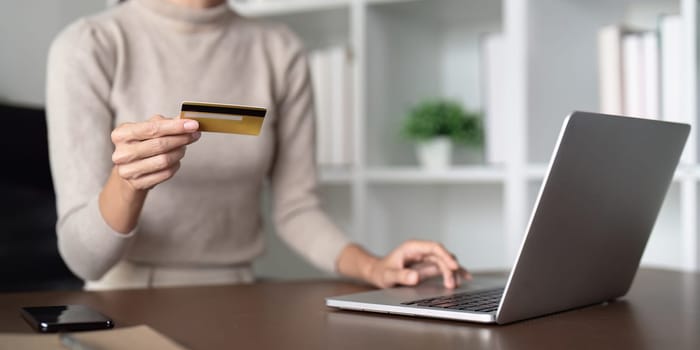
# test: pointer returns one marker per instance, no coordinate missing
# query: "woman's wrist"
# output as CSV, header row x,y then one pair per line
x,y
355,262
128,193
121,203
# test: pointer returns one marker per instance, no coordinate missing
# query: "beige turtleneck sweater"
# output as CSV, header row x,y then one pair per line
x,y
145,57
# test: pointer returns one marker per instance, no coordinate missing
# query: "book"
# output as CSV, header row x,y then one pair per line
x,y
337,57
332,76
140,337
629,72
651,73
319,78
493,60
670,34
671,68
610,70
632,75
348,142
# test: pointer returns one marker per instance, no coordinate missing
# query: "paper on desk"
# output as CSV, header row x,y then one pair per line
x,y
133,338
16,341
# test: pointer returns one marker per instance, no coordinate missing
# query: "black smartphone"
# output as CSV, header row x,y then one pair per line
x,y
65,318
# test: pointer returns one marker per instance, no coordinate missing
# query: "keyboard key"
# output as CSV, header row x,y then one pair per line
x,y
483,301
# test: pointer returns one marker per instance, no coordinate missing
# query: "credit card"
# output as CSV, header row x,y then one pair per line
x,y
232,119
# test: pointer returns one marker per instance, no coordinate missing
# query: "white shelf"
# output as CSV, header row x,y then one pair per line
x,y
687,172
380,2
335,176
457,175
537,172
284,7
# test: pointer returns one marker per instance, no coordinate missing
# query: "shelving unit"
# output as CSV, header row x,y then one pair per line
x,y
457,175
562,71
273,8
408,50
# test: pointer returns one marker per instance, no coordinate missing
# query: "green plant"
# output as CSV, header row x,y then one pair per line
x,y
434,118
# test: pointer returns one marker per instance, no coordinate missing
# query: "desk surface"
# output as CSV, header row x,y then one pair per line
x,y
662,311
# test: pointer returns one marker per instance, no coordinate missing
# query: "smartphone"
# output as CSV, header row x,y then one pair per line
x,y
65,318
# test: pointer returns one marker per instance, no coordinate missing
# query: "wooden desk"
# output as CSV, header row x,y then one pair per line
x,y
662,311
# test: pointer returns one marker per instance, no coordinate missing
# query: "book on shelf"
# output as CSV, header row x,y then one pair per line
x,y
629,72
493,81
670,32
331,78
641,72
610,69
261,1
651,72
671,68
633,70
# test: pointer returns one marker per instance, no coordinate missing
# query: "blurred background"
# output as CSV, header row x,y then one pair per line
x,y
435,118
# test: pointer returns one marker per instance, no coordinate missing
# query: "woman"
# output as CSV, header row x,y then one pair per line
x,y
125,219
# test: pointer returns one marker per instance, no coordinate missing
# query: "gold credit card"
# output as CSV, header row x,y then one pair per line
x,y
216,117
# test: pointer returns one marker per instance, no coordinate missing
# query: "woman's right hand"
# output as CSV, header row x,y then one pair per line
x,y
148,153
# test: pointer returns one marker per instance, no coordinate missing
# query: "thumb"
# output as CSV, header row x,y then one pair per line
x,y
406,277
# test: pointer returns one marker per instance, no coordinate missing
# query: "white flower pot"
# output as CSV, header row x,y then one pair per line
x,y
435,154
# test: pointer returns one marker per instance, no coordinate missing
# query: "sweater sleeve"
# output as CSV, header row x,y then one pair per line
x,y
79,123
299,220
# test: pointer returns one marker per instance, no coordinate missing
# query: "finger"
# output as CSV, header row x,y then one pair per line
x,y
156,127
129,152
426,271
439,250
393,277
149,181
447,273
418,248
149,165
464,273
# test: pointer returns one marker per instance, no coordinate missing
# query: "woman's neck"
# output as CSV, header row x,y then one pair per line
x,y
198,4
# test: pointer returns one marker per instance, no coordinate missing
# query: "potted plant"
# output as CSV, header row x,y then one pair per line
x,y
435,125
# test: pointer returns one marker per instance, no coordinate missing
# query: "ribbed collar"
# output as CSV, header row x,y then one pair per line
x,y
188,16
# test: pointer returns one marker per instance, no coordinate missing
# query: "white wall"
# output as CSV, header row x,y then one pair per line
x,y
26,30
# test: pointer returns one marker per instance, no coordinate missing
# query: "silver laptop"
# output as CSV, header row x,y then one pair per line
x,y
606,182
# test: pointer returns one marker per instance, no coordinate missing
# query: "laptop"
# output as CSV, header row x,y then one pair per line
x,y
605,185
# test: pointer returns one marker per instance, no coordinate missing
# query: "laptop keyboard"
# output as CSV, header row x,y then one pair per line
x,y
483,301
